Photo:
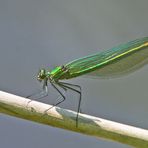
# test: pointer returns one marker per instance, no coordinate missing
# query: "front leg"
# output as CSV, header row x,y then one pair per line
x,y
61,96
40,94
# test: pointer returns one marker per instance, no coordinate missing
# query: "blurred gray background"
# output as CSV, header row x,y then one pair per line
x,y
43,34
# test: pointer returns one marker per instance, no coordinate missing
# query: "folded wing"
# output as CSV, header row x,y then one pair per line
x,y
114,62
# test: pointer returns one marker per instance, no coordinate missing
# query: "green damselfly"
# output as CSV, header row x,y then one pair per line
x,y
114,62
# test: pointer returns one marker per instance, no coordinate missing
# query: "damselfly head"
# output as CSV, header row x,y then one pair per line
x,y
41,75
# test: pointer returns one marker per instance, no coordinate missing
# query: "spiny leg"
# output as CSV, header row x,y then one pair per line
x,y
75,90
78,86
41,94
63,96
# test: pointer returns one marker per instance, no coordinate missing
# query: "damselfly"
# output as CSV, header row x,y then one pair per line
x,y
114,62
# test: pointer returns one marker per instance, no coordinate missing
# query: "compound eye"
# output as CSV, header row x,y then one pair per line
x,y
41,74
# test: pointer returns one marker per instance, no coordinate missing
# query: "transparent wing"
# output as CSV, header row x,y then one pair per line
x,y
114,62
123,66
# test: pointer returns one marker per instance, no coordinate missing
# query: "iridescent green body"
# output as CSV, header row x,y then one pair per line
x,y
114,62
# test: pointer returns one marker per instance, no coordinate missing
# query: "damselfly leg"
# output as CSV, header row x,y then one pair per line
x,y
70,86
